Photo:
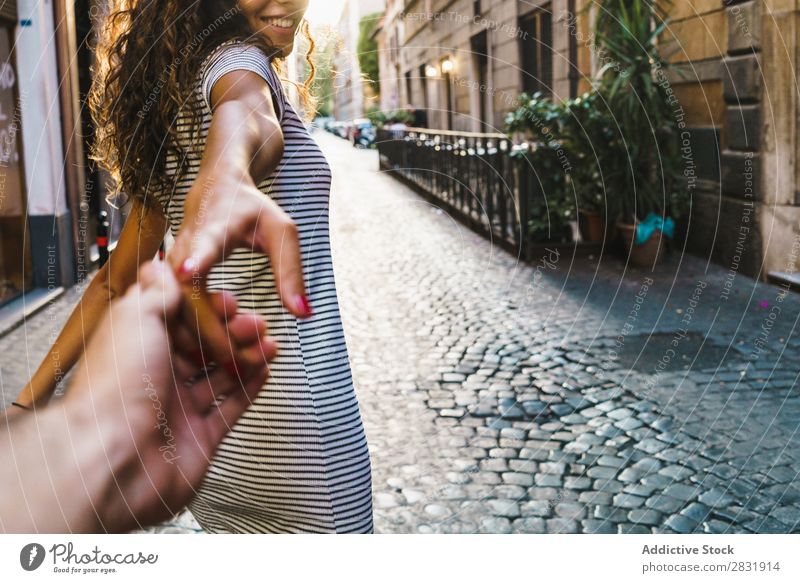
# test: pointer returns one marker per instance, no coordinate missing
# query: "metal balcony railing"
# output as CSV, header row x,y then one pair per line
x,y
470,175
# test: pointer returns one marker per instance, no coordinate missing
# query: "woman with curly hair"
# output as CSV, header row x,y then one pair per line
x,y
195,128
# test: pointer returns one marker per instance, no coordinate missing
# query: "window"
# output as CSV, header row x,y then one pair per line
x,y
409,89
423,82
536,52
479,46
574,70
447,78
477,7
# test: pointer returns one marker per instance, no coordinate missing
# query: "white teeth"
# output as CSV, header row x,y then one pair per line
x,y
280,22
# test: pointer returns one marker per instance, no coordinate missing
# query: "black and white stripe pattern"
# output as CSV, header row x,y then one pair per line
x,y
297,461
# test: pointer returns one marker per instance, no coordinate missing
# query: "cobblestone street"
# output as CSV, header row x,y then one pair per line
x,y
567,395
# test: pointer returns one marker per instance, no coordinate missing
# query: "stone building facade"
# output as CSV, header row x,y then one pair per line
x,y
737,84
44,203
352,96
462,60
466,61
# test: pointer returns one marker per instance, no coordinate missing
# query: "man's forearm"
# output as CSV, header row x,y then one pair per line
x,y
56,470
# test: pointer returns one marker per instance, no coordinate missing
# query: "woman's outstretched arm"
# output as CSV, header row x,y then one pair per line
x,y
135,246
224,209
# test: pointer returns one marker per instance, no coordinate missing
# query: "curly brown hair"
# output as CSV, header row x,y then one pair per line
x,y
148,56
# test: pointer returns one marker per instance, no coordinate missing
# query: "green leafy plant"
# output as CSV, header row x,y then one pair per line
x,y
586,129
540,121
537,118
632,82
367,49
381,118
550,206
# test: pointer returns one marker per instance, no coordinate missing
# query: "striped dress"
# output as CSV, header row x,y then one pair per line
x,y
297,460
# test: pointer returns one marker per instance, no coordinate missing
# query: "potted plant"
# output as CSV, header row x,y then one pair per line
x,y
586,129
537,119
538,127
643,155
552,207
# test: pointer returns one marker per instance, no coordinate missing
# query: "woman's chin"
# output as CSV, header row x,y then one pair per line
x,y
283,49
286,50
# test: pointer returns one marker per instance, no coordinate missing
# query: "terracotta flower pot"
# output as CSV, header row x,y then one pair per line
x,y
649,253
592,225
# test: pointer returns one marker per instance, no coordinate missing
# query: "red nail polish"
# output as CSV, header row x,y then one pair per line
x,y
230,366
197,356
303,305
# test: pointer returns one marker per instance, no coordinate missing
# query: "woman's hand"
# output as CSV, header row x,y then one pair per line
x,y
224,210
221,214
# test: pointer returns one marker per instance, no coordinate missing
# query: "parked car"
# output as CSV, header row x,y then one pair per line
x,y
322,123
339,128
362,133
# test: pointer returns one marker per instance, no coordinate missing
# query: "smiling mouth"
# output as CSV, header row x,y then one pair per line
x,y
280,23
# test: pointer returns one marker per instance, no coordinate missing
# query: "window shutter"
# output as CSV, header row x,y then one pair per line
x,y
546,52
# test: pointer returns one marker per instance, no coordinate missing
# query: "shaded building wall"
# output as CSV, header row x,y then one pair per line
x,y
776,115
737,85
49,218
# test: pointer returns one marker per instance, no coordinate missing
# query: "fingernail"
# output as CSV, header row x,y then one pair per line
x,y
303,305
189,266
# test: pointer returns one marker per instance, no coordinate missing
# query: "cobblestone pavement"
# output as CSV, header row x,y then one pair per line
x,y
568,395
